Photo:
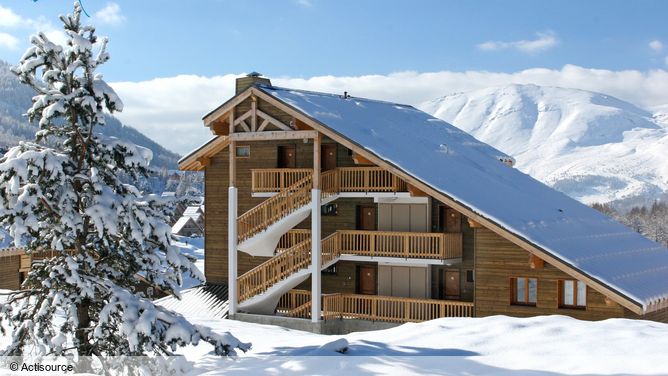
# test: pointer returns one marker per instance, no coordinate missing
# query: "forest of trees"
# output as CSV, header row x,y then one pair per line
x,y
652,222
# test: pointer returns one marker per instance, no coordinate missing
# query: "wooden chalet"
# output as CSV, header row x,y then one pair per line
x,y
328,207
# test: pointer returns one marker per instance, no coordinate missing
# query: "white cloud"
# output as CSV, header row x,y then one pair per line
x,y
110,14
543,41
9,19
656,45
8,41
165,107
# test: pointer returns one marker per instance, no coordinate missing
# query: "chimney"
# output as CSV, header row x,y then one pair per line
x,y
251,79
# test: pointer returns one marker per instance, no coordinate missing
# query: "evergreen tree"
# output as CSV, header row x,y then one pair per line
x,y
62,193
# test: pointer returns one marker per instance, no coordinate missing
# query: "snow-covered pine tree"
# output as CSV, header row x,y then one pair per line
x,y
62,193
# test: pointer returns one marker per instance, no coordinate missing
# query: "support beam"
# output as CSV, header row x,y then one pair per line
x,y
243,117
245,126
230,121
233,164
316,257
232,293
254,113
273,135
274,121
317,141
232,238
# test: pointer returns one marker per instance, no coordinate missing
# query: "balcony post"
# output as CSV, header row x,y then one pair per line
x,y
316,242
232,292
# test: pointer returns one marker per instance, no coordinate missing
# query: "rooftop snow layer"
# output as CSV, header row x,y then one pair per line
x,y
456,164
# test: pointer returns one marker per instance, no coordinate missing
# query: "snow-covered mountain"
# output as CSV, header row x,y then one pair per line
x,y
591,146
15,98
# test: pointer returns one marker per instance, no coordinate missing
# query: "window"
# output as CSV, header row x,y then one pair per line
x,y
329,209
243,151
330,270
523,291
469,276
572,294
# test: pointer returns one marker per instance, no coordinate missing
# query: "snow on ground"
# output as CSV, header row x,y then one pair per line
x,y
498,345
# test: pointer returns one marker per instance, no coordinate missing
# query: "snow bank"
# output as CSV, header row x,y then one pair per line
x,y
498,345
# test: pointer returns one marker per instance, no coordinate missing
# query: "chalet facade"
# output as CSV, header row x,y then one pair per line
x,y
332,207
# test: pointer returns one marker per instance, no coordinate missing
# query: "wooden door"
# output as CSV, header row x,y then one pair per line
x,y
328,157
366,218
450,220
366,281
452,284
287,157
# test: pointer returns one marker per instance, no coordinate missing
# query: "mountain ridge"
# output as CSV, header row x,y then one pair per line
x,y
16,98
591,146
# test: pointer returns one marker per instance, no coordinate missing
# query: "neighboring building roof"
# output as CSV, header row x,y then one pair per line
x,y
182,223
192,211
468,171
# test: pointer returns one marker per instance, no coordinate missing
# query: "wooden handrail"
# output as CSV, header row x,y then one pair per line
x,y
290,198
392,309
421,245
276,179
341,179
302,312
292,238
361,243
262,277
292,300
274,208
369,179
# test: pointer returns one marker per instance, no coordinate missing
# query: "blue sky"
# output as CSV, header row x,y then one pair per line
x,y
173,61
316,37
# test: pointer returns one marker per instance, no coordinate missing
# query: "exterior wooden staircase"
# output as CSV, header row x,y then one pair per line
x,y
260,289
260,228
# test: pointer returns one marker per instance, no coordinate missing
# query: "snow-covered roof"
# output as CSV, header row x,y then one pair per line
x,y
192,211
181,223
468,171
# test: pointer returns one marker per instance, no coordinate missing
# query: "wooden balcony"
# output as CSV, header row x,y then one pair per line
x,y
276,179
406,245
419,245
342,179
296,303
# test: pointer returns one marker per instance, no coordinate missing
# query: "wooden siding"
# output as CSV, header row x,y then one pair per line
x,y
9,272
497,260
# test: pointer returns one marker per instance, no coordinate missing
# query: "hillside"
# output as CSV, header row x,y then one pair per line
x,y
15,98
591,146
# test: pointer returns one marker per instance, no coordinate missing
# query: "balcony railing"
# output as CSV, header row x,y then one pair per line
x,y
414,245
292,303
342,179
276,179
297,303
392,309
421,245
292,238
